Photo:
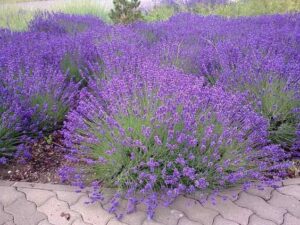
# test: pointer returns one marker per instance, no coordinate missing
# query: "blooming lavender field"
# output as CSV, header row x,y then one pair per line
x,y
155,109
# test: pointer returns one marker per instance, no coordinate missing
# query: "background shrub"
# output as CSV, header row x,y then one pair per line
x,y
125,11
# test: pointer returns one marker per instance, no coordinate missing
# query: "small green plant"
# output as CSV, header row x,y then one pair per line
x,y
49,139
54,109
248,7
277,104
125,11
160,13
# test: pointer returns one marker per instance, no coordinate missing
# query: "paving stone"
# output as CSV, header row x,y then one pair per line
x,y
219,220
92,213
135,218
58,212
292,181
260,207
37,196
70,197
230,211
50,187
108,194
186,221
255,220
9,195
194,210
292,190
151,222
265,193
79,222
44,222
9,223
24,212
115,222
287,202
6,183
4,217
291,220
167,216
231,193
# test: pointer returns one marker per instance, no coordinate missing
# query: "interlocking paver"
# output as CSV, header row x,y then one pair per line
x,y
115,222
231,193
79,222
44,222
4,217
108,195
219,220
292,190
58,212
37,196
6,183
151,222
260,207
135,218
70,197
186,221
91,213
287,202
9,223
255,220
194,210
292,181
24,212
230,210
265,193
9,195
51,187
167,216
291,220
61,205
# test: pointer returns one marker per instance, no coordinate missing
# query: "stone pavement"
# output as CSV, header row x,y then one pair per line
x,y
46,204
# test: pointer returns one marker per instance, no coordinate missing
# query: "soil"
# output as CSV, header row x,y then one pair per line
x,y
47,158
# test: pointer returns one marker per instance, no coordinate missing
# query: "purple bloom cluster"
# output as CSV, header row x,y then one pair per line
x,y
156,109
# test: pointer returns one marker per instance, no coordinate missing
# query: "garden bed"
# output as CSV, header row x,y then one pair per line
x,y
151,108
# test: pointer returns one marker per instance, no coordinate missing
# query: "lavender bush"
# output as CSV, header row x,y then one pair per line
x,y
162,132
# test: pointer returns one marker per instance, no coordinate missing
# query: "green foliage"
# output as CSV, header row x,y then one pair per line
x,y
70,66
14,18
55,109
249,8
9,139
83,7
160,13
277,104
125,11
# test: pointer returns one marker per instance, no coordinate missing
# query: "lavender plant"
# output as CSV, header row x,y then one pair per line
x,y
160,133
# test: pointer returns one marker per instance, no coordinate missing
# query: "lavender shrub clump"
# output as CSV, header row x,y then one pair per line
x,y
155,109
160,133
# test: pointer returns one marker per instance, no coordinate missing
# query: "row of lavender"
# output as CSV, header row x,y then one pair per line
x,y
160,109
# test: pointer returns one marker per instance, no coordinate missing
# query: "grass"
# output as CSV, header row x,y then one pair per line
x,y
15,18
83,7
249,8
17,1
160,13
